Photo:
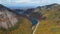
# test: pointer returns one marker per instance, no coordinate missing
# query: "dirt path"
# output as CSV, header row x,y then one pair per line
x,y
36,27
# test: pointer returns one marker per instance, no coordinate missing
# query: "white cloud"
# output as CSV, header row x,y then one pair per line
x,y
19,1
41,2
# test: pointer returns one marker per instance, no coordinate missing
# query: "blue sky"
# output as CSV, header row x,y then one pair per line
x,y
27,3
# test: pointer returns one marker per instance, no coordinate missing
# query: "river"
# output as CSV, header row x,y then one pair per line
x,y
33,20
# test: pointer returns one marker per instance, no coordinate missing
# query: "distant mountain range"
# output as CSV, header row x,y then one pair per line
x,y
37,12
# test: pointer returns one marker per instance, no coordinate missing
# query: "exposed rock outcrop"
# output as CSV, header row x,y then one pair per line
x,y
7,18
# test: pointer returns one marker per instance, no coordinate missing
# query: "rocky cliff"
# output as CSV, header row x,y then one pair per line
x,y
7,18
12,23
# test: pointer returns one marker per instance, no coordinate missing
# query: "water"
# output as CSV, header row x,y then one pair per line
x,y
33,21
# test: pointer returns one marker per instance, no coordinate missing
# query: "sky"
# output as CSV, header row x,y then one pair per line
x,y
27,3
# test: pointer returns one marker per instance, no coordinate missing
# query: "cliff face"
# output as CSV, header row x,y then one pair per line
x,y
7,18
12,23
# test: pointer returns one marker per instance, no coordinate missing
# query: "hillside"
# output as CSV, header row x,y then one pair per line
x,y
51,24
12,23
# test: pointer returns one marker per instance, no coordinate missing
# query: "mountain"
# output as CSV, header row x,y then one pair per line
x,y
39,11
12,23
50,21
6,17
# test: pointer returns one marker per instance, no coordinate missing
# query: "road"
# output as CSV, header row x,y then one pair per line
x,y
36,27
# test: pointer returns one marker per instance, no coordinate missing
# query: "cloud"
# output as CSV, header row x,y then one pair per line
x,y
37,2
19,1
